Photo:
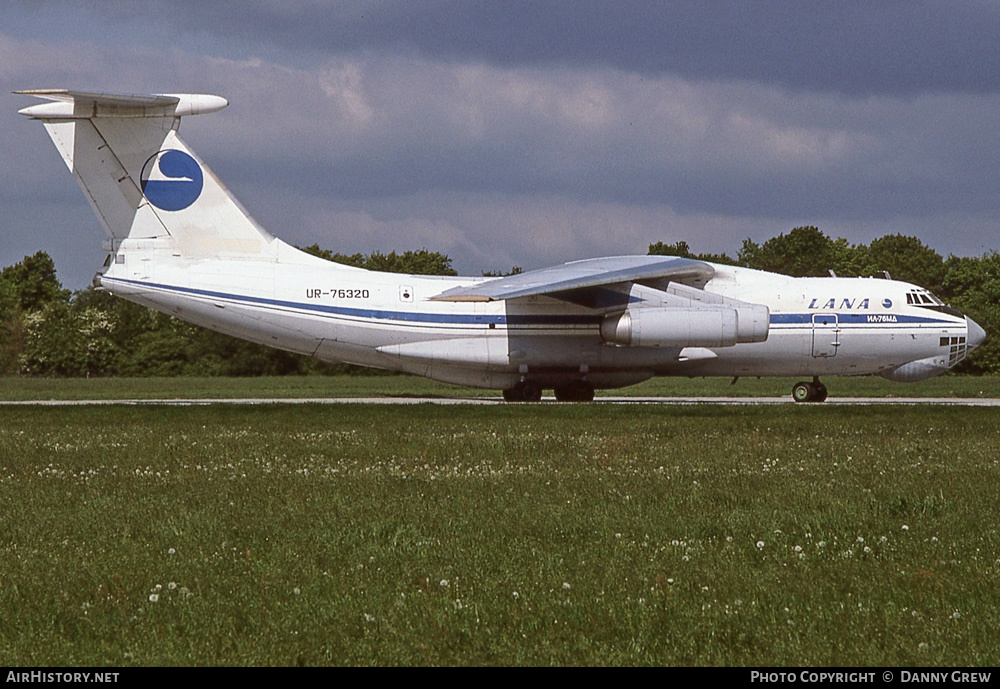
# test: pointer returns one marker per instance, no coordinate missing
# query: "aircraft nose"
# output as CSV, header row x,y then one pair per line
x,y
975,334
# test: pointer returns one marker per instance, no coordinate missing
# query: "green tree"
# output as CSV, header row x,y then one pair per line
x,y
682,249
60,340
30,284
420,262
803,252
514,270
908,259
25,287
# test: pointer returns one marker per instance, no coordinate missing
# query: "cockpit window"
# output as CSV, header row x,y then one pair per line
x,y
927,300
922,296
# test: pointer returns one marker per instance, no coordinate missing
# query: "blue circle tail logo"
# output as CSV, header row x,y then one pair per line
x,y
172,180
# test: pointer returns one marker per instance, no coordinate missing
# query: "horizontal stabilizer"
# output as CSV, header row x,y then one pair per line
x,y
67,104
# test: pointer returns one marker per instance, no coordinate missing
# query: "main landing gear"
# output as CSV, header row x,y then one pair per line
x,y
577,391
526,391
809,392
530,391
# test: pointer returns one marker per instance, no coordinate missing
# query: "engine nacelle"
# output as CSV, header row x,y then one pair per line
x,y
672,327
687,327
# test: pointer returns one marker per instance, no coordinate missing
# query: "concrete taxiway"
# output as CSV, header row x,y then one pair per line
x,y
723,401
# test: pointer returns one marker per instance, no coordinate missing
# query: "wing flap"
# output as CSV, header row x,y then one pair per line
x,y
579,275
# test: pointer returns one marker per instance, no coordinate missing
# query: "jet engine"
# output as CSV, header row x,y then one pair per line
x,y
702,326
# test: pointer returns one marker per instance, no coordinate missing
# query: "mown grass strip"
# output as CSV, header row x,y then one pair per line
x,y
20,388
574,534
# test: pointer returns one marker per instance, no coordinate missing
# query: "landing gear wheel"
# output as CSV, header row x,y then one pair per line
x,y
523,392
577,391
809,392
802,392
531,392
820,392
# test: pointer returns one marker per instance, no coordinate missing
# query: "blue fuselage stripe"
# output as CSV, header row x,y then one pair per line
x,y
855,319
382,314
512,319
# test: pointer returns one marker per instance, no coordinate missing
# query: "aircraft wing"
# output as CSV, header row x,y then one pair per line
x,y
581,275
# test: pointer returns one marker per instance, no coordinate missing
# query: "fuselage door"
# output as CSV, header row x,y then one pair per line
x,y
826,335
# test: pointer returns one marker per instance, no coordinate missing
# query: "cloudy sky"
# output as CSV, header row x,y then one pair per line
x,y
530,133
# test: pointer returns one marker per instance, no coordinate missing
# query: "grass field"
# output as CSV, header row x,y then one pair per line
x,y
18,388
554,534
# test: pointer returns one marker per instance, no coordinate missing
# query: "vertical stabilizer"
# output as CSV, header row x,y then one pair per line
x,y
142,180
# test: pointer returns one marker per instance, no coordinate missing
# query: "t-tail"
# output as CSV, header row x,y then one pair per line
x,y
144,183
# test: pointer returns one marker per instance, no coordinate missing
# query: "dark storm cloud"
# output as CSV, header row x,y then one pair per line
x,y
859,48
511,133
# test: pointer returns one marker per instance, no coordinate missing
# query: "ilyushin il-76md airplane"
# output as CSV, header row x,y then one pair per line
x,y
180,243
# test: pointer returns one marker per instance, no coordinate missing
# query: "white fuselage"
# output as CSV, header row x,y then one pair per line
x,y
292,301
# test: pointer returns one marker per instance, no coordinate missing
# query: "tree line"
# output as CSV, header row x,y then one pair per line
x,y
46,330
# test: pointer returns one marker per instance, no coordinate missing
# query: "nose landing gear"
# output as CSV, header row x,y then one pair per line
x,y
809,392
531,391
